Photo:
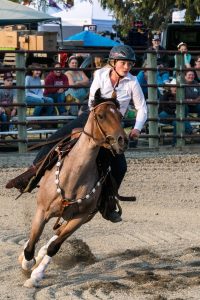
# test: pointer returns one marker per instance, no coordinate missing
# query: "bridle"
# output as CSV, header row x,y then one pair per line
x,y
106,138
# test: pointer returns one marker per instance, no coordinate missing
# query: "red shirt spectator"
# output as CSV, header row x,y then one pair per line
x,y
57,79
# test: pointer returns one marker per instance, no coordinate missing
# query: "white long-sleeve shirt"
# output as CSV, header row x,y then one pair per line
x,y
128,89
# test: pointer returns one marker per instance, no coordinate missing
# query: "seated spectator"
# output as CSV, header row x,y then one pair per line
x,y
168,110
197,66
162,58
99,62
80,57
76,78
56,80
192,93
143,80
34,95
182,47
7,96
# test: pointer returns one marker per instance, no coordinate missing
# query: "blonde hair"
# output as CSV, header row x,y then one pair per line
x,y
99,61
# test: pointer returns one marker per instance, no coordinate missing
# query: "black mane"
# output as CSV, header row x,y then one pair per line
x,y
98,99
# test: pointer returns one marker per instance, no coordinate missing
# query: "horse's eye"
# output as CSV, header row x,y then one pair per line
x,y
100,116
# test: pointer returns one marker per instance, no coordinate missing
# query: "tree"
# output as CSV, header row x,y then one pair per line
x,y
154,13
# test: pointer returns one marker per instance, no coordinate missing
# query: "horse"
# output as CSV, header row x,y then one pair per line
x,y
72,188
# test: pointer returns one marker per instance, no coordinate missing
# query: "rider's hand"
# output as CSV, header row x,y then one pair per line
x,y
134,134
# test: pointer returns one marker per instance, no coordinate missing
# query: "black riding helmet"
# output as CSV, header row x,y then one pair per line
x,y
122,52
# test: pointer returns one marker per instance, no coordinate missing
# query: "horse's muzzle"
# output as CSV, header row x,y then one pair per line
x,y
119,144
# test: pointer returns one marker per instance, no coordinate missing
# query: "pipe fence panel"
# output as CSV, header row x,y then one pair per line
x,y
25,130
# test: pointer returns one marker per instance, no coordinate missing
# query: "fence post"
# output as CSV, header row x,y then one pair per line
x,y
180,96
153,97
20,80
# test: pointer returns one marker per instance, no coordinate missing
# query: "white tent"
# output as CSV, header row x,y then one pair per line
x,y
85,13
179,16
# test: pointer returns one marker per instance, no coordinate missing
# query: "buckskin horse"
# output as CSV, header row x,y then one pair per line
x,y
72,188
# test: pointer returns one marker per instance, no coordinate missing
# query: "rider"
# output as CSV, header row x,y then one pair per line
x,y
115,78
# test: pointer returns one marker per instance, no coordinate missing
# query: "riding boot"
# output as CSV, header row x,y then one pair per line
x,y
112,214
21,182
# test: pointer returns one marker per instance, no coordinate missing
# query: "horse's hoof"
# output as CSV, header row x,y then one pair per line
x,y
30,283
28,264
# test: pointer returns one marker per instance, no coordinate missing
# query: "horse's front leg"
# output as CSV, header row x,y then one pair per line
x,y
27,259
53,247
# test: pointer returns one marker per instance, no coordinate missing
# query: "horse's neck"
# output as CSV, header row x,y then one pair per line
x,y
79,172
84,153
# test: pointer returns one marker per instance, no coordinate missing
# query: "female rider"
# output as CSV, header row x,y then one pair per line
x,y
114,79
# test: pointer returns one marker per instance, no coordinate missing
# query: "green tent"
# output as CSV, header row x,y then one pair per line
x,y
12,13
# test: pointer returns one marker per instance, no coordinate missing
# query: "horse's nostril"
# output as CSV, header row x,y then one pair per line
x,y
121,141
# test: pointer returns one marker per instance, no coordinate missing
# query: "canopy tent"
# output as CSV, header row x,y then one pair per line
x,y
12,13
85,13
91,39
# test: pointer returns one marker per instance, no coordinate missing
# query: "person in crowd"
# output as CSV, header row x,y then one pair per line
x,y
116,79
56,83
183,48
192,93
99,62
168,110
162,58
7,97
35,95
142,78
197,67
76,78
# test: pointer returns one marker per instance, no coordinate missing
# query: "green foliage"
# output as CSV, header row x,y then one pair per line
x,y
154,13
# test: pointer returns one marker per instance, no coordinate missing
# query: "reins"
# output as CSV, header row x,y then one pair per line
x,y
53,141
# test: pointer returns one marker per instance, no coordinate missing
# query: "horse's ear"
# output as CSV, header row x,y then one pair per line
x,y
97,95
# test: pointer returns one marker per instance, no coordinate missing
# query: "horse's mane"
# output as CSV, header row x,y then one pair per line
x,y
98,99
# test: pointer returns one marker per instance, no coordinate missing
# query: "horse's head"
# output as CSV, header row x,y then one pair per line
x,y
107,129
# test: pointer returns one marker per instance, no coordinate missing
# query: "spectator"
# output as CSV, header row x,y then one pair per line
x,y
197,66
168,110
192,93
7,96
162,58
35,95
99,62
55,81
76,78
182,47
143,81
80,57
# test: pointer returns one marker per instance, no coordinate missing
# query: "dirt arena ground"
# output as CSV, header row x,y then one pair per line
x,y
154,253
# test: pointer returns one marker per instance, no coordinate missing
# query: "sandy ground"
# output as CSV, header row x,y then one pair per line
x,y
154,253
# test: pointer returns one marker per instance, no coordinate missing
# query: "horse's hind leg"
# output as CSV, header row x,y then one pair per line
x,y
53,247
38,223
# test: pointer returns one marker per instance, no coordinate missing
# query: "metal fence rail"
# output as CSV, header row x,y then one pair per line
x,y
22,136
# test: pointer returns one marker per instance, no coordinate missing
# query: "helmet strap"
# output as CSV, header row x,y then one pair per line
x,y
113,67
